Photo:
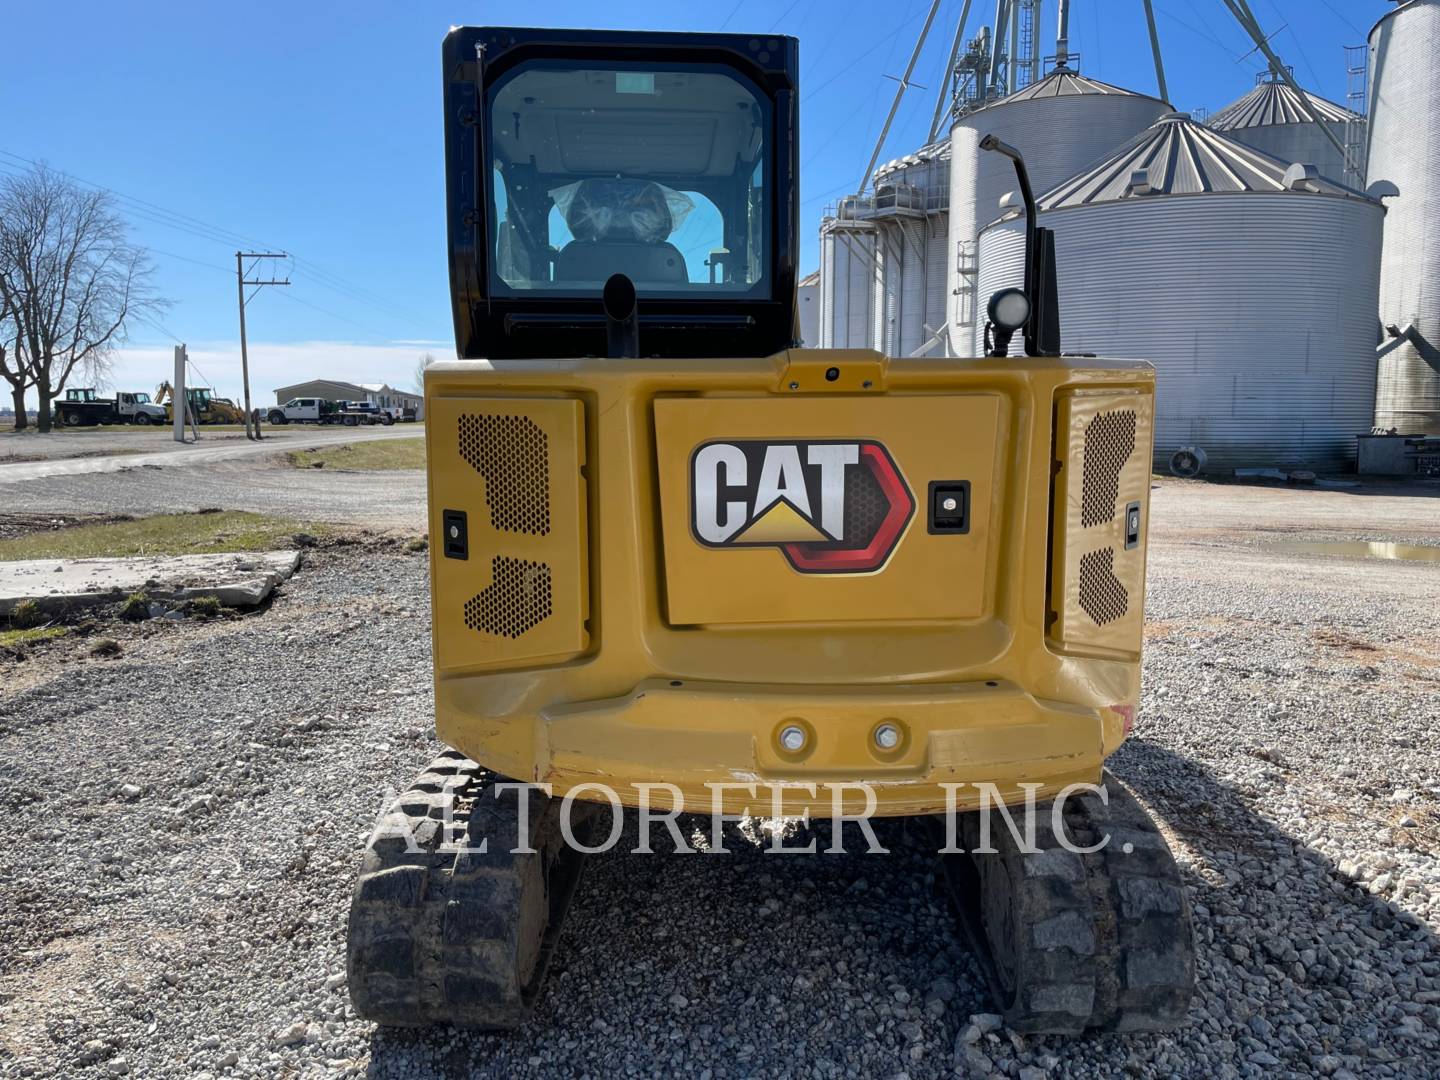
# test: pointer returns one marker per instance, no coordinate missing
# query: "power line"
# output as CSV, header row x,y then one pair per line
x,y
157,214
847,67
733,12
1204,35
1341,17
156,324
187,258
333,314
781,19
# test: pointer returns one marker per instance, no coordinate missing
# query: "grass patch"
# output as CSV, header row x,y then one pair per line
x,y
25,615
206,606
364,456
165,534
11,638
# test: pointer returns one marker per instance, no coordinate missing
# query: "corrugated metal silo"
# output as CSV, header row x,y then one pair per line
x,y
937,258
908,209
1404,148
1272,119
807,310
847,276
1061,124
1249,284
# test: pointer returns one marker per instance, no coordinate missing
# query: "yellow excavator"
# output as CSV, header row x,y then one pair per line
x,y
682,561
204,406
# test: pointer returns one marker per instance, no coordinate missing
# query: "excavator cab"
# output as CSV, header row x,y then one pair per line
x,y
576,155
679,561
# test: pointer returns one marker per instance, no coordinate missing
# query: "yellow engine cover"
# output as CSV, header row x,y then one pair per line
x,y
926,436
643,570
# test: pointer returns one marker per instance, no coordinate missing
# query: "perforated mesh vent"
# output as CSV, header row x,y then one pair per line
x,y
1109,441
1102,595
512,453
865,507
517,600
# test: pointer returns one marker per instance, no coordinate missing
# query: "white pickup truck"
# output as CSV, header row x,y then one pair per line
x,y
305,410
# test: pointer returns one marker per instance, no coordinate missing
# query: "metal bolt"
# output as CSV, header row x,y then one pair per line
x,y
949,503
887,736
794,386
793,738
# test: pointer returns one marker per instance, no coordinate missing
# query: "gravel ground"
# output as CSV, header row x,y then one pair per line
x,y
392,499
67,442
187,820
38,457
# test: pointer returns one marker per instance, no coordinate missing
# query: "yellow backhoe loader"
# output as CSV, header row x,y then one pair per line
x,y
204,406
679,558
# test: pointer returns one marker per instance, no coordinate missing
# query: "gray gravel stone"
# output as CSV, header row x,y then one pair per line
x,y
230,868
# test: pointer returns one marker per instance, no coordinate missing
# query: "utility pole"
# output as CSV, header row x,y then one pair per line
x,y
178,397
252,429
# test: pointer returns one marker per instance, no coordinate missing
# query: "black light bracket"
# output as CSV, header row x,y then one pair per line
x,y
1042,329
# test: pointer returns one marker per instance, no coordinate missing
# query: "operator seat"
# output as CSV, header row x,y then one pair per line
x,y
620,227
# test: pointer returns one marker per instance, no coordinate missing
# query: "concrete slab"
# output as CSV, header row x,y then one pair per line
x,y
237,579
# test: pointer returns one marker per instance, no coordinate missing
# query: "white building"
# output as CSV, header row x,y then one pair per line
x,y
381,395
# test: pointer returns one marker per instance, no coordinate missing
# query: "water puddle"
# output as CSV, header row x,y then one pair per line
x,y
1360,549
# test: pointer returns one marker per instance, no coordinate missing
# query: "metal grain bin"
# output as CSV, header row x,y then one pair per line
x,y
1249,283
1404,148
882,268
1272,119
847,278
807,310
1061,124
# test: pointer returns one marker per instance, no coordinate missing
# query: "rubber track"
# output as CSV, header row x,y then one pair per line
x,y
442,935
1101,941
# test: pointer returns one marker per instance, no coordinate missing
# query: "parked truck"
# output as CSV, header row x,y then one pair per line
x,y
355,413
83,407
306,410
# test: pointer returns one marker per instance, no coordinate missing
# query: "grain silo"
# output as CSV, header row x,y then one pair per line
x,y
1249,282
1272,119
807,310
1404,147
847,278
1061,124
909,210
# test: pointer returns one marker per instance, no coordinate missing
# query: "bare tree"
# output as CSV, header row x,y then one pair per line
x,y
426,359
72,278
12,366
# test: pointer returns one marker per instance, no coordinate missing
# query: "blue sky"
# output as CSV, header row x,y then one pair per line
x,y
315,127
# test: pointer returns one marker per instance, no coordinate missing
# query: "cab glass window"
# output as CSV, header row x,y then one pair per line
x,y
656,173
